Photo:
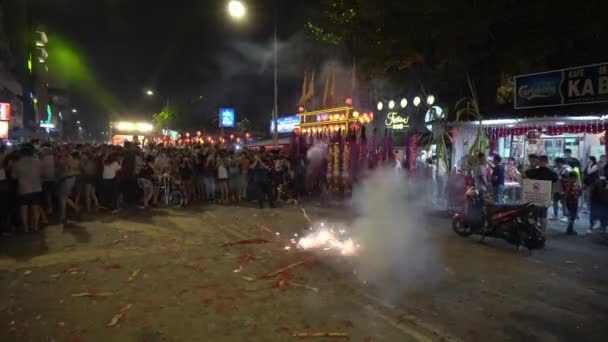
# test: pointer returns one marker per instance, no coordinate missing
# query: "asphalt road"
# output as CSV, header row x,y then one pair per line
x,y
162,276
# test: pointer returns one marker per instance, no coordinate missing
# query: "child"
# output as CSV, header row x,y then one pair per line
x,y
571,191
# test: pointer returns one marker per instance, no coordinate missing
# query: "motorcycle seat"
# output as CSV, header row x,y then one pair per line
x,y
496,208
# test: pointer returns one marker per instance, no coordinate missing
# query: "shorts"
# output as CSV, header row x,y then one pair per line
x,y
48,186
143,183
66,186
540,212
89,180
34,198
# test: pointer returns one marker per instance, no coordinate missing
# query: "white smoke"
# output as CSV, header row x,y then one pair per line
x,y
397,252
315,156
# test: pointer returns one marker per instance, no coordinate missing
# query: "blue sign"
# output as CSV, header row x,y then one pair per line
x,y
226,117
586,84
285,124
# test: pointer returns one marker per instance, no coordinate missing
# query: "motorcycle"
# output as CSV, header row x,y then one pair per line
x,y
517,224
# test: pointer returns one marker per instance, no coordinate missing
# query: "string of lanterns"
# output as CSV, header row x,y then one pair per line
x,y
403,103
199,138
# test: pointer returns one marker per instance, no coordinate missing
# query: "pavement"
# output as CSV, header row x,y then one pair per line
x,y
161,275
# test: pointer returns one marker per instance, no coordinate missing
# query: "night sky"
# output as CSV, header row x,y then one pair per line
x,y
184,49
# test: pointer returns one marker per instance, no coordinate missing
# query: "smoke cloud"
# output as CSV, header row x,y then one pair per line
x,y
397,253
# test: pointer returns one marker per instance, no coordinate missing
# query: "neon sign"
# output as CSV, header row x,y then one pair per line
x,y
396,122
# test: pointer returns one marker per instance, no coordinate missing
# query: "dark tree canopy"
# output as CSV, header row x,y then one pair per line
x,y
436,43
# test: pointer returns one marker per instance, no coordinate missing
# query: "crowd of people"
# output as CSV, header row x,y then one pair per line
x,y
574,187
47,183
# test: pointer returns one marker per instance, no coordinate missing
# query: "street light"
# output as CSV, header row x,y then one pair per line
x,y
150,92
74,110
236,9
430,100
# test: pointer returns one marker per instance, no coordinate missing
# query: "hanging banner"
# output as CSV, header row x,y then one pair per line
x,y
580,85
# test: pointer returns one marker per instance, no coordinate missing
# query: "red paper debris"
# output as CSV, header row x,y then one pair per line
x,y
288,267
244,242
347,323
207,300
113,267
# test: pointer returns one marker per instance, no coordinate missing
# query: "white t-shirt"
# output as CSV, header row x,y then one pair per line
x,y
109,171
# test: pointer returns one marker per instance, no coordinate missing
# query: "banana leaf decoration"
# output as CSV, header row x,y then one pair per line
x,y
469,107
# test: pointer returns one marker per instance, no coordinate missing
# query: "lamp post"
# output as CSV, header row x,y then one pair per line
x,y
237,11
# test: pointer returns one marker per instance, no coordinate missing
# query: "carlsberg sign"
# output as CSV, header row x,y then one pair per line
x,y
586,84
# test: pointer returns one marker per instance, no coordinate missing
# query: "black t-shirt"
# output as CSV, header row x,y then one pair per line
x,y
542,173
146,172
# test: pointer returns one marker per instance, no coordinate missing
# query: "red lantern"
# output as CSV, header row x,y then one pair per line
x,y
199,133
187,135
179,136
238,140
348,101
300,109
247,135
231,136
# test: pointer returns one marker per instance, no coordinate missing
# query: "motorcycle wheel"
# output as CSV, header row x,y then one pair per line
x,y
535,238
461,228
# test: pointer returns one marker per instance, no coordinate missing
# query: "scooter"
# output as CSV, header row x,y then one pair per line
x,y
516,224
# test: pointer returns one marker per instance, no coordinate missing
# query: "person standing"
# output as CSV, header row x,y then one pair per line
x,y
571,193
27,171
542,172
47,160
571,160
68,170
498,180
222,177
209,174
91,178
563,171
591,174
480,177
512,174
111,166
244,176
261,178
598,201
234,171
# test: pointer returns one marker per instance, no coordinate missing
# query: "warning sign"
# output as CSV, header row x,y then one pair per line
x,y
537,192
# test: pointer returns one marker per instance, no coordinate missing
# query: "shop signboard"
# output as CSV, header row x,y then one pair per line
x,y
404,120
396,121
3,129
5,111
285,124
227,117
580,85
537,192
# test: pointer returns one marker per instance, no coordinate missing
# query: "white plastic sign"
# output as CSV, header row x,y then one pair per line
x,y
537,192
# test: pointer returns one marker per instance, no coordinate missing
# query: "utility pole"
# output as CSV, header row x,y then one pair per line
x,y
275,112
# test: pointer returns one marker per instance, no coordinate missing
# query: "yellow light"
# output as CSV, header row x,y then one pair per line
x,y
125,126
236,9
355,114
144,127
134,126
